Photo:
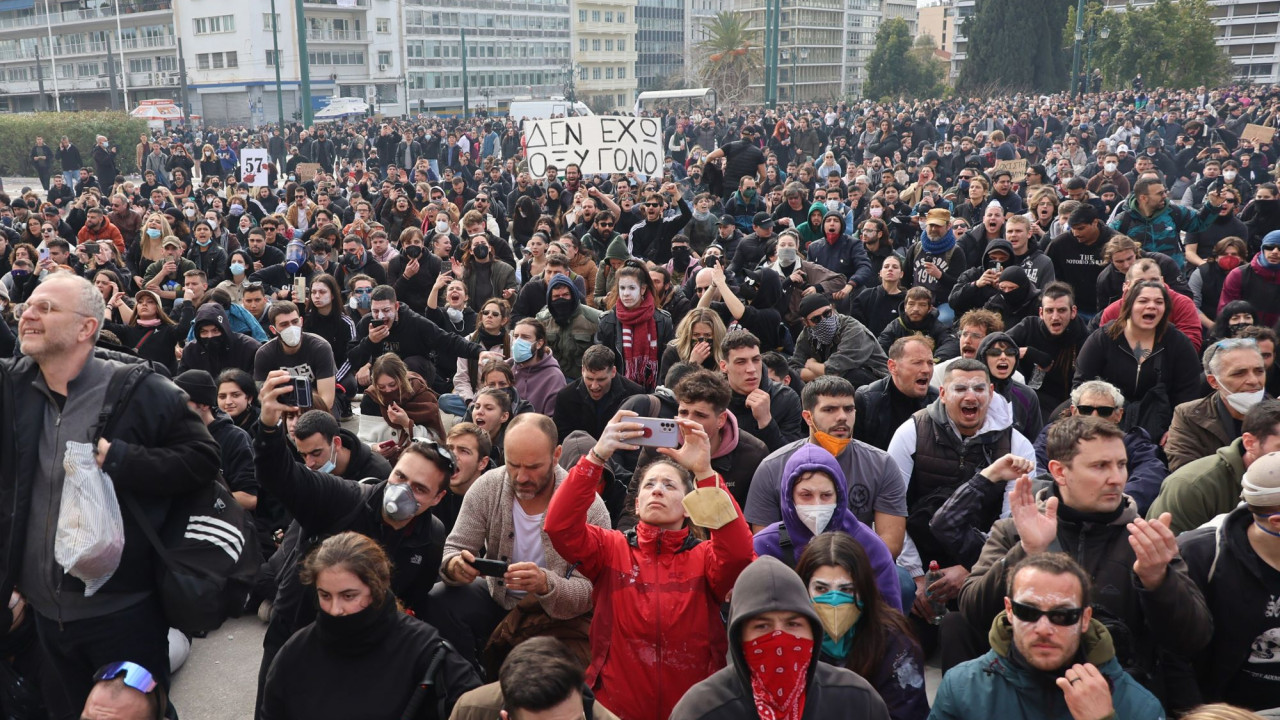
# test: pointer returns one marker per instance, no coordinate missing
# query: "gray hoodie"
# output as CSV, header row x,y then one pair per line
x,y
768,585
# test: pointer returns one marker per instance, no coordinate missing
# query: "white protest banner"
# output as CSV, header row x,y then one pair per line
x,y
597,144
253,166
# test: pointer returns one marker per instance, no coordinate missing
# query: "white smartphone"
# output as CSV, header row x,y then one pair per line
x,y
657,432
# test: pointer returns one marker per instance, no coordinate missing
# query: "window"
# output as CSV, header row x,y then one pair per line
x,y
217,60
608,73
595,16
232,59
608,45
137,65
384,58
215,24
582,16
595,45
622,99
595,73
608,16
582,44
622,16
622,45
202,61
582,75
384,25
271,58
622,75
266,21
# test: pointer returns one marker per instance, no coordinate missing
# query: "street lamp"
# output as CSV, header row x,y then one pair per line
x,y
1094,33
804,55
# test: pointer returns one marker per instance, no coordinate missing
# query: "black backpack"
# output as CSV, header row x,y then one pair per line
x,y
207,545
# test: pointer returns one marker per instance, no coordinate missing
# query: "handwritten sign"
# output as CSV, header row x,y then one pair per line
x,y
253,166
1258,134
1017,167
306,171
597,144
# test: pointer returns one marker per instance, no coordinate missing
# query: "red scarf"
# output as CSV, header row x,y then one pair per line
x,y
779,666
639,342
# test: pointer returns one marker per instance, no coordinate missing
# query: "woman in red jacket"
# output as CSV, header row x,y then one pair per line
x,y
658,589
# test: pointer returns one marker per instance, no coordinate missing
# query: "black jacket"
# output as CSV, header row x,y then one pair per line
x,y
414,291
786,424
609,334
575,410
945,344
159,448
1057,353
412,335
875,423
652,241
231,349
1173,361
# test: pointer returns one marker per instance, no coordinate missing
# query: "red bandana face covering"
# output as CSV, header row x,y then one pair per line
x,y
779,664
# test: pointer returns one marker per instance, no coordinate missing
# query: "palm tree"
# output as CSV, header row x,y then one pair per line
x,y
730,56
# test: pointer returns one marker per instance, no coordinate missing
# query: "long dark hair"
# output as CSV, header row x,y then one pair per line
x,y
1126,309
871,642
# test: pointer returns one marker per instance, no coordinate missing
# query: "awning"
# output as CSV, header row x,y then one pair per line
x,y
157,110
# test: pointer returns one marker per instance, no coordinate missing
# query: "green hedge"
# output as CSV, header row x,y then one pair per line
x,y
18,133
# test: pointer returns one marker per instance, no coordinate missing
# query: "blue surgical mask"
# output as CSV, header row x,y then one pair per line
x,y
333,457
236,268
153,232
521,350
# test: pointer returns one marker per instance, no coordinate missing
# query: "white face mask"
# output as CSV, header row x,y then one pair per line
x,y
816,517
1229,175
1243,402
1109,167
628,293
442,226
291,336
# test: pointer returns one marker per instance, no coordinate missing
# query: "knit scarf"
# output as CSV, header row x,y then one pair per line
x,y
639,342
938,247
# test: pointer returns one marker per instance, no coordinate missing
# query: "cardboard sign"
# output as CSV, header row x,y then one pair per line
x,y
597,144
253,166
306,171
1017,167
1257,133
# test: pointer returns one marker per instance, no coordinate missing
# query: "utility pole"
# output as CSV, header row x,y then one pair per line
x,y
1075,53
53,68
466,91
111,76
304,66
275,48
182,82
44,101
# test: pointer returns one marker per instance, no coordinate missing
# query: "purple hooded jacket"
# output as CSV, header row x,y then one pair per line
x,y
813,457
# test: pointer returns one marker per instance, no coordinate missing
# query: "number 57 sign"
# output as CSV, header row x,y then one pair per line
x,y
253,167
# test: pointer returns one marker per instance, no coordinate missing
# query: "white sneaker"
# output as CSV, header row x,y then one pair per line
x,y
264,611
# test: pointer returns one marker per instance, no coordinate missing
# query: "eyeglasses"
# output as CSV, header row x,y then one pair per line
x,y
47,231
363,291
653,204
135,676
1099,410
1062,617
997,352
490,313
41,308
821,316
604,225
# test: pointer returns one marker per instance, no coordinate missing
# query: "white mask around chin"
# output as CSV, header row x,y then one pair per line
x,y
628,292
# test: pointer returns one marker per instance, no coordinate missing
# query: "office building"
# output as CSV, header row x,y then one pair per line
x,y
1247,30
604,53
660,43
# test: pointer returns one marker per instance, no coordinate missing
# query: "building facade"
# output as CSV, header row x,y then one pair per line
x,y
1249,32
700,15
604,53
660,43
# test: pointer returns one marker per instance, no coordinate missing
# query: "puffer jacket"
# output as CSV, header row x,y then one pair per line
x,y
768,585
1160,232
769,541
656,629
945,343
996,686
843,254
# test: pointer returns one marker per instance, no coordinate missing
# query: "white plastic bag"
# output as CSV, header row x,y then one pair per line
x,y
90,536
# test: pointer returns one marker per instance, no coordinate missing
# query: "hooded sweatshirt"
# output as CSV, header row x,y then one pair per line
x,y
966,295
841,253
1025,402
539,382
768,585
769,540
215,354
809,230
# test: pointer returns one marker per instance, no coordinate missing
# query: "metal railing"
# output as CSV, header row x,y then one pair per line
x,y
99,13
339,35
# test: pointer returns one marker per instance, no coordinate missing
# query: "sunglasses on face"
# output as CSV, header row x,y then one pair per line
x,y
490,313
1099,410
815,319
997,352
1062,617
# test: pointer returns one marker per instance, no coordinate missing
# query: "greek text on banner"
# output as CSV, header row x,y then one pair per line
x,y
597,144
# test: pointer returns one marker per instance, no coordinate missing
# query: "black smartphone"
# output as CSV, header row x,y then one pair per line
x,y
377,322
300,396
89,248
490,568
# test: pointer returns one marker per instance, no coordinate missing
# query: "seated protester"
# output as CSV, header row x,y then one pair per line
x,y
703,397
393,512
878,306
1146,468
1016,297
302,354
326,319
587,403
1234,565
253,299
164,276
1119,254
697,342
933,261
408,407
839,253
491,411
570,323
919,317
1078,254
981,283
1141,353
1203,489
1000,353
1157,612
769,411
1046,628
238,398
801,278
395,655
456,315
671,627
861,629
1182,309
1267,342
779,370
1052,340
493,335
835,344
1026,251
537,373
471,449
540,675
1256,281
876,493
502,519
814,502
885,404
414,271
774,650
234,443
635,329
146,328
207,255
392,327
753,306
262,252
324,446
532,297
1234,318
1207,281
216,346
1235,371
670,295
484,275
125,691
357,260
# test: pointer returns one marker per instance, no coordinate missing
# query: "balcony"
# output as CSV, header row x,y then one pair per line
x,y
75,16
147,43
339,36
340,4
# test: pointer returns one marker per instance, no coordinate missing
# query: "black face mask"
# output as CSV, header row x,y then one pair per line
x,y
562,308
480,251
748,292
680,258
353,261
413,252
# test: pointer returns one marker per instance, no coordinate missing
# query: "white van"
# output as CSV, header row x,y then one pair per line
x,y
543,109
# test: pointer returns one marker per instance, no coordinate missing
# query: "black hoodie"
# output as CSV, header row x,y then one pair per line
x,y
227,350
1026,404
768,585
966,295
1057,353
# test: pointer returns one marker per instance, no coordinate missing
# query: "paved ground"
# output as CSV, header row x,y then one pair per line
x,y
219,680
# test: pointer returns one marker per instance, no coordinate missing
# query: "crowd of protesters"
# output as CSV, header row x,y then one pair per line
x,y
990,381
